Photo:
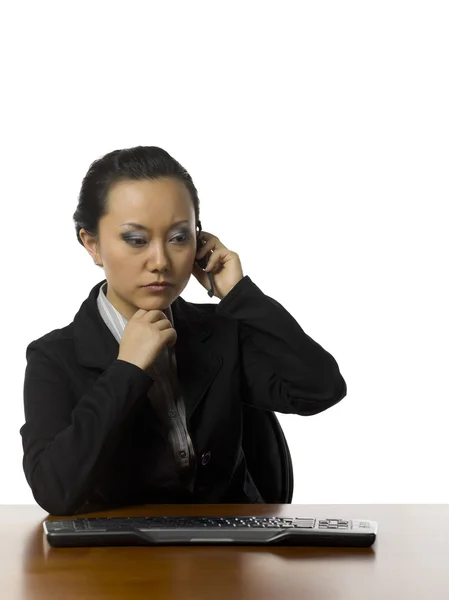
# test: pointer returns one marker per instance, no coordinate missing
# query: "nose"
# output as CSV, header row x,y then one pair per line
x,y
158,258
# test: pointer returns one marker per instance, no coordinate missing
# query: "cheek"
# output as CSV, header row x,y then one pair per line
x,y
186,264
114,254
189,255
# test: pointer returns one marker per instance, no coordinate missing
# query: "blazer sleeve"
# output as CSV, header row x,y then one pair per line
x,y
66,444
284,370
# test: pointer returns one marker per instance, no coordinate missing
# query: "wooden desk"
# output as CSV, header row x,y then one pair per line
x,y
409,561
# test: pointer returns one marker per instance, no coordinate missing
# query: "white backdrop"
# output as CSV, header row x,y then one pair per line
x,y
317,135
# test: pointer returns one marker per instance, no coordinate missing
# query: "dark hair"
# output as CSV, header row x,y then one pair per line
x,y
140,162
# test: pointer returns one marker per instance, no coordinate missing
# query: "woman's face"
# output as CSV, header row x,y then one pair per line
x,y
162,248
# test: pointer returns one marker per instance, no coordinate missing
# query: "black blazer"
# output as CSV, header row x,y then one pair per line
x,y
88,422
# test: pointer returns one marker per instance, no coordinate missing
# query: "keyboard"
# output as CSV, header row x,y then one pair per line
x,y
215,530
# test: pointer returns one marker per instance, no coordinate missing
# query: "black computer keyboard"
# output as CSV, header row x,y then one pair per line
x,y
220,530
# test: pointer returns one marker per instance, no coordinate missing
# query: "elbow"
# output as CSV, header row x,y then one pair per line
x,y
51,497
56,505
335,388
335,391
339,390
56,509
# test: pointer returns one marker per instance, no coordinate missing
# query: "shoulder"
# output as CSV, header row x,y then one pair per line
x,y
52,342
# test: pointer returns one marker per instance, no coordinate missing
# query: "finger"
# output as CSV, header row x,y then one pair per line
x,y
208,246
200,275
156,315
206,237
163,324
214,262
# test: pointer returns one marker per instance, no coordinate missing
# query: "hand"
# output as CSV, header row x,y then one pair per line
x,y
145,336
223,264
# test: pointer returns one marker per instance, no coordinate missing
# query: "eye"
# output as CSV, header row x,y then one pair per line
x,y
138,242
183,235
131,240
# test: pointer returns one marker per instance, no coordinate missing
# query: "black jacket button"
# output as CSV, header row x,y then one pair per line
x,y
205,458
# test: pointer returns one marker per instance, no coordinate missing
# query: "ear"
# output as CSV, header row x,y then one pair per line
x,y
92,246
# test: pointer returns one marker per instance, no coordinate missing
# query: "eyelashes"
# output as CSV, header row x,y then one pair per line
x,y
131,239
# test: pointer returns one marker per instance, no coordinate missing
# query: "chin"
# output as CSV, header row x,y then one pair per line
x,y
160,299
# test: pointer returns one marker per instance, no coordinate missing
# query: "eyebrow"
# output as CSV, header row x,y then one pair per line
x,y
142,227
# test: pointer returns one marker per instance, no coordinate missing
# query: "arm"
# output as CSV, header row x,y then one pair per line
x,y
284,370
64,445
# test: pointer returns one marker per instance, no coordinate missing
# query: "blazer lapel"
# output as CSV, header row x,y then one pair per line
x,y
198,363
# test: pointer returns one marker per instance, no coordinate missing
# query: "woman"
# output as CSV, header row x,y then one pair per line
x,y
139,399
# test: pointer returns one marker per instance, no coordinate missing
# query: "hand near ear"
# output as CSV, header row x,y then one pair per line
x,y
223,264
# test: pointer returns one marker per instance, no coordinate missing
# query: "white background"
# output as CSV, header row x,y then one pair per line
x,y
317,136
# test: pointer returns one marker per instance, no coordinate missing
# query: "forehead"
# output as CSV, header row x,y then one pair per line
x,y
151,199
